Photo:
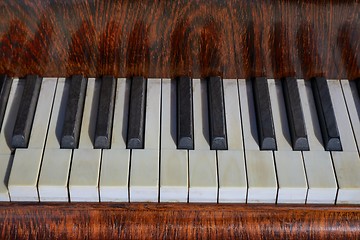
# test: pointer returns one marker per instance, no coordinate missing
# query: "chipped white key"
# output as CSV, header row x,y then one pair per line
x,y
114,176
318,164
262,182
347,162
5,135
26,164
289,164
54,173
85,166
231,163
173,163
144,170
203,184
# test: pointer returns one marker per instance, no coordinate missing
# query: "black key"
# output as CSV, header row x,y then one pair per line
x,y
295,114
265,124
25,115
74,112
358,85
218,138
326,115
136,122
185,127
105,113
5,86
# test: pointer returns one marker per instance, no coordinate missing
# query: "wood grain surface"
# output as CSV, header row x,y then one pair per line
x,y
234,39
177,221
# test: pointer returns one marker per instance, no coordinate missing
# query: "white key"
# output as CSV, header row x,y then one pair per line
x,y
232,113
5,137
173,163
114,176
232,176
174,176
144,176
231,163
144,170
353,104
54,173
152,119
5,167
352,99
10,114
262,183
83,183
26,164
203,184
200,108
121,110
289,164
85,166
342,118
168,114
318,164
88,123
347,162
202,176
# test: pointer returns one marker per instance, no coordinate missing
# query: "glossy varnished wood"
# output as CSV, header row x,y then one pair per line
x,y
233,39
180,221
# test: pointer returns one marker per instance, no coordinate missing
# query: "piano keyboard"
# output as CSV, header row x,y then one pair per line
x,y
180,140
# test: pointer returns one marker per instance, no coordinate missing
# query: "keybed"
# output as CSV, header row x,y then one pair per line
x,y
236,147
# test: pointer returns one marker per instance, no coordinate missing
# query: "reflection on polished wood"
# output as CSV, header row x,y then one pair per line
x,y
234,39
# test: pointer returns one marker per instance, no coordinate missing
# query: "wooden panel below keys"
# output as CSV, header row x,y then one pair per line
x,y
181,221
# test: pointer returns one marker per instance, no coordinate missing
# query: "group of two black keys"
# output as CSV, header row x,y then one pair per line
x,y
185,136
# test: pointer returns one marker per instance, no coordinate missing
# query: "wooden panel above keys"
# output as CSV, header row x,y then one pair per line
x,y
180,38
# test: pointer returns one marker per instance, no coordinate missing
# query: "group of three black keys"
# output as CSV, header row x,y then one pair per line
x,y
185,133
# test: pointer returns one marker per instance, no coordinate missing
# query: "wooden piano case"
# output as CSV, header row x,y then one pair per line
x,y
233,39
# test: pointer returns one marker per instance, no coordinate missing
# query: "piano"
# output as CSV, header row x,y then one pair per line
x,y
180,119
